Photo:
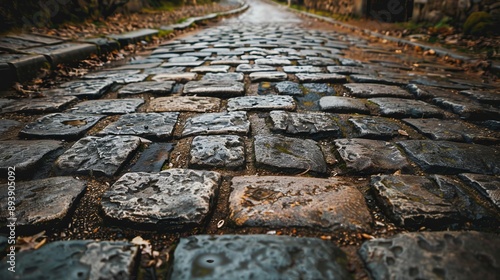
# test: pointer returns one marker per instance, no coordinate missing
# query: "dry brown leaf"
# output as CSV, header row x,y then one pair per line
x,y
36,241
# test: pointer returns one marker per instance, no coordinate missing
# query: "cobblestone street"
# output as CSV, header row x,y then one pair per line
x,y
267,146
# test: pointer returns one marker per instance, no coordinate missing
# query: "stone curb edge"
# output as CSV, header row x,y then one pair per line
x,y
25,63
495,67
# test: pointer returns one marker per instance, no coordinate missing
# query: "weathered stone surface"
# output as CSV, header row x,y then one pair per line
x,y
376,90
289,154
154,125
76,259
147,87
107,106
384,79
120,77
340,104
433,255
44,201
152,159
488,186
84,88
268,76
60,125
25,155
318,77
407,201
217,123
97,155
312,124
184,104
273,62
168,198
466,108
138,66
487,97
397,107
39,105
183,64
65,52
257,257
265,102
453,130
178,77
211,69
249,68
375,127
302,69
218,151
6,125
328,204
288,88
347,70
371,156
224,77
215,88
451,158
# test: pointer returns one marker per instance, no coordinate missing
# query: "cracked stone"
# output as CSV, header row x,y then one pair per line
x,y
375,127
147,87
265,102
44,201
218,151
26,156
258,257
376,90
268,76
289,154
107,106
488,186
340,104
217,123
313,124
446,157
78,259
371,156
184,104
320,77
215,88
61,125
97,155
168,198
397,107
155,125
272,201
407,200
39,105
431,255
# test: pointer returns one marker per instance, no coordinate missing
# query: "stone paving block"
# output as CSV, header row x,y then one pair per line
x,y
39,105
249,68
168,198
218,151
77,259
433,255
288,88
60,125
107,106
183,58
84,88
183,64
137,66
135,36
229,61
376,90
467,108
97,155
215,88
272,201
273,62
289,154
348,70
257,257
370,156
267,76
22,67
319,125
265,102
162,87
7,125
453,130
384,79
42,202
119,77
446,157
211,69
5,102
408,202
104,45
153,158
320,78
46,40
486,97
375,127
148,125
217,123
341,104
488,186
302,69
64,53
178,77
184,104
398,107
26,156
224,77
14,44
